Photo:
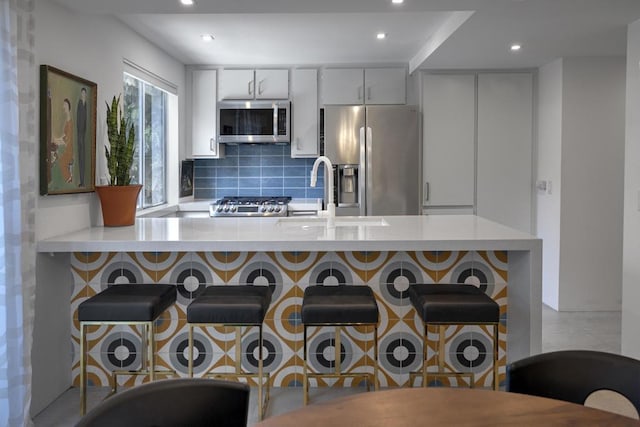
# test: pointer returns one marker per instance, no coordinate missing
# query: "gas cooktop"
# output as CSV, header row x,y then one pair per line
x,y
249,206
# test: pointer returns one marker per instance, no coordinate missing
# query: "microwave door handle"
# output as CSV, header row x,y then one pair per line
x,y
249,87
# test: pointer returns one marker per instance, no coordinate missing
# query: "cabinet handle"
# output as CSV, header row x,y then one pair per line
x,y
260,87
212,145
298,143
249,87
426,191
360,88
369,93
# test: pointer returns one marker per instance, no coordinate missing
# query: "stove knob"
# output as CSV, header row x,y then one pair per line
x,y
270,208
233,208
226,208
263,209
277,208
219,209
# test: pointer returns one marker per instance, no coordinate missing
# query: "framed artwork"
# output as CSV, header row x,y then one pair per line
x,y
67,132
186,178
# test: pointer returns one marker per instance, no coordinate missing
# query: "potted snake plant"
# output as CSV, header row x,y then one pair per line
x,y
119,198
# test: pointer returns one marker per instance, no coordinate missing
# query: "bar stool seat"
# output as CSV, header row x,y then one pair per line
x,y
126,304
230,305
454,304
342,305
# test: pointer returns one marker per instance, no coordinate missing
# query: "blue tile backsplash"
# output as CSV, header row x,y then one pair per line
x,y
256,170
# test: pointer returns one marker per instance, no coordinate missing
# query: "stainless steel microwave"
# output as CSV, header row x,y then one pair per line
x,y
254,122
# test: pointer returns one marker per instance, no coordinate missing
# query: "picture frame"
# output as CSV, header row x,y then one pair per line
x,y
186,178
67,132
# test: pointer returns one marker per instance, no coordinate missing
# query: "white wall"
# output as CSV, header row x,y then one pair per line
x,y
93,47
631,249
549,169
592,183
581,221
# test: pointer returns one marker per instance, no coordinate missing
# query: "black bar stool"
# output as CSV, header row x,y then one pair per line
x,y
339,306
230,305
126,304
453,304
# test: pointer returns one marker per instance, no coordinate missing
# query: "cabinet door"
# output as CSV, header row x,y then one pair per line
x,y
237,84
343,86
449,140
272,84
505,111
385,86
203,115
304,87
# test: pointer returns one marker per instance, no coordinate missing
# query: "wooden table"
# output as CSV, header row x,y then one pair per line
x,y
445,407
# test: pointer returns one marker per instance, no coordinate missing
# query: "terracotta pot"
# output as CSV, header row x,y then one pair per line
x,y
118,204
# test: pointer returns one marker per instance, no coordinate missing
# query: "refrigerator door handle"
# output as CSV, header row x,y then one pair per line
x,y
364,174
369,177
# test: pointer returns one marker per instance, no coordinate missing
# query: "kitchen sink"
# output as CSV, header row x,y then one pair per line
x,y
339,221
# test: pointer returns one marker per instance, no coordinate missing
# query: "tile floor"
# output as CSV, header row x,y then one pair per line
x,y
566,330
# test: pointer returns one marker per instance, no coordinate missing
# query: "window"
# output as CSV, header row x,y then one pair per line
x,y
146,104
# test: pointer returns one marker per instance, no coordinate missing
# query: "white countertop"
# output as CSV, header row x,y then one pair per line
x,y
429,232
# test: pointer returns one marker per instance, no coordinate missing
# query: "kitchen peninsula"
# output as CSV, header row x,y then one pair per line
x,y
387,253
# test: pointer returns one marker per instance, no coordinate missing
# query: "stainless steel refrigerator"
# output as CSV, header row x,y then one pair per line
x,y
375,151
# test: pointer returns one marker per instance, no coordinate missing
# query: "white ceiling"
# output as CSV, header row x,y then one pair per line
x,y
426,33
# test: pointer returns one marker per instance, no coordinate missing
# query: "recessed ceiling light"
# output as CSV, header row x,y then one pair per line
x,y
187,2
206,37
397,1
381,36
515,47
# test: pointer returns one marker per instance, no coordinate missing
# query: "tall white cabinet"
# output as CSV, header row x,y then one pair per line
x,y
505,128
449,142
478,144
204,142
304,97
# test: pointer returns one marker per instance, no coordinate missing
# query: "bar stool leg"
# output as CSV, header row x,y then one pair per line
x,y
260,366
83,370
376,384
338,350
305,384
190,362
424,355
496,383
151,350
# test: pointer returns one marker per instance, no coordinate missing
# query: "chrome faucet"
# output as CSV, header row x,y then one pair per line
x,y
331,207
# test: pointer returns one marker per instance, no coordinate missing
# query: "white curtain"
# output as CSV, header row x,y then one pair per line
x,y
17,205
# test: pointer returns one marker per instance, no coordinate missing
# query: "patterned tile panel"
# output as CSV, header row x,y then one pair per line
x,y
389,274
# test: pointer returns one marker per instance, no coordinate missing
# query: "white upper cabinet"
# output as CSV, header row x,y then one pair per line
x,y
352,86
385,86
342,86
304,97
272,84
449,140
254,84
203,115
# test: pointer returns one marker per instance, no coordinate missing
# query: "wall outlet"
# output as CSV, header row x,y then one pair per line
x,y
543,186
